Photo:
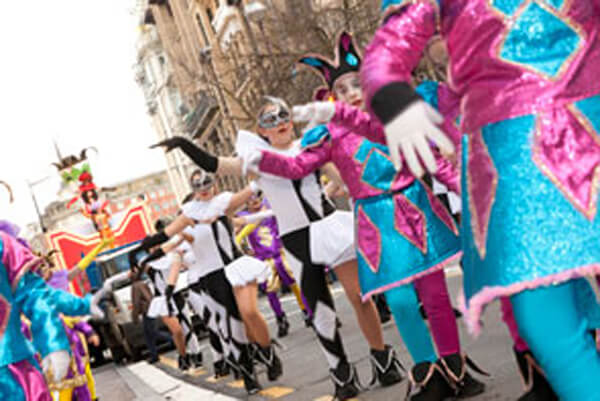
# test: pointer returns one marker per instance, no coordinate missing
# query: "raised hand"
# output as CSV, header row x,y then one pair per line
x,y
411,131
171,143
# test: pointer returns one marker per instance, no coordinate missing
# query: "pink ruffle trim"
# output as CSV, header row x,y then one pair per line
x,y
477,302
414,277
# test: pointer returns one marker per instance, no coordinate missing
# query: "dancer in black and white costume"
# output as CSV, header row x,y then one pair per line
x,y
181,257
226,271
158,266
313,233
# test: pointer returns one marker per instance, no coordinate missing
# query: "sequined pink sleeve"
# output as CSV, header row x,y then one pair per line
x,y
357,121
398,46
297,167
17,259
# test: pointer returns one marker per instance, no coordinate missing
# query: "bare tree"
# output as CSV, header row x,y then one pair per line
x,y
264,62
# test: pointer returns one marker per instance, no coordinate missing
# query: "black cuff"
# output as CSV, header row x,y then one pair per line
x,y
391,100
155,239
169,291
157,254
202,158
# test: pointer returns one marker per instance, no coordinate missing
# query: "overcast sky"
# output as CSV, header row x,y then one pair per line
x,y
67,74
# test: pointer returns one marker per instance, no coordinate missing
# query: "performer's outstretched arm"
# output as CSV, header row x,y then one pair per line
x,y
316,153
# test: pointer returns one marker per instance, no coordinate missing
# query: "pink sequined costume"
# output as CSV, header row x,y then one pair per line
x,y
530,105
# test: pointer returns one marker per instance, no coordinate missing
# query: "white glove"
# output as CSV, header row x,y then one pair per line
x,y
411,132
314,113
95,310
57,363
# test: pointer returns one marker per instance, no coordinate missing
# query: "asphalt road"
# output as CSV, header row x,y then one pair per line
x,y
305,373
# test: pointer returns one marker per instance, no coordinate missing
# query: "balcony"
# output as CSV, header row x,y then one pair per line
x,y
196,121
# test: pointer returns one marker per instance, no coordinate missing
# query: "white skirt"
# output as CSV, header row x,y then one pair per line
x,y
332,239
158,307
246,270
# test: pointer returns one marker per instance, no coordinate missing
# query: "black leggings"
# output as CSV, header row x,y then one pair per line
x,y
314,287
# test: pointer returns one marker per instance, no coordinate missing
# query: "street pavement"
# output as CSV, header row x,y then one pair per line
x,y
305,374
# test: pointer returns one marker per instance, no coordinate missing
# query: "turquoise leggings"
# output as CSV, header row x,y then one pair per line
x,y
556,328
404,305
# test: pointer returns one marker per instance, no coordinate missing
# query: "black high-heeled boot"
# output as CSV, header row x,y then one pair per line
x,y
246,367
466,385
430,382
387,369
269,358
537,387
345,379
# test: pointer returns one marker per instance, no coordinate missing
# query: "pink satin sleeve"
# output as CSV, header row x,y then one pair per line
x,y
357,121
398,46
296,167
16,258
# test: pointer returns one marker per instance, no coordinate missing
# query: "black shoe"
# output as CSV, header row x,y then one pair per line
x,y
283,326
431,383
338,323
537,387
221,369
269,358
152,360
386,367
307,319
183,363
457,313
246,367
345,379
196,360
466,386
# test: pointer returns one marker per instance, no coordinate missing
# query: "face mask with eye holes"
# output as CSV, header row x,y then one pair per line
x,y
274,118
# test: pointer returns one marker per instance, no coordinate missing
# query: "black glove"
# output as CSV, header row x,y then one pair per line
x,y
132,256
392,99
169,295
157,254
153,240
202,158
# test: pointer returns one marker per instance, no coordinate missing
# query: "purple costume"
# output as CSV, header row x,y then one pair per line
x,y
267,246
525,71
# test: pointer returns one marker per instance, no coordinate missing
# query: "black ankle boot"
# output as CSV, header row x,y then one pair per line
x,y
195,360
431,383
386,367
221,369
246,367
537,387
234,367
465,385
183,363
345,379
269,358
283,326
